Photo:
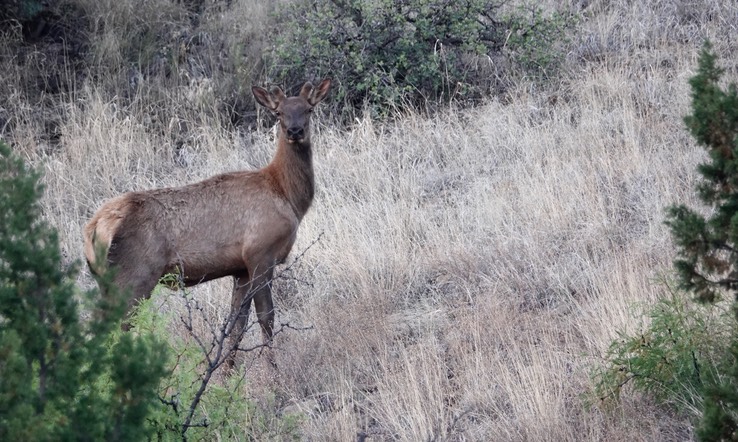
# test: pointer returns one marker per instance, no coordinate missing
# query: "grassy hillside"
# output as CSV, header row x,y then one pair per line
x,y
470,267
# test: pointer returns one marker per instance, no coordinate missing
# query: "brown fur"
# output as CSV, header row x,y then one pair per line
x,y
238,224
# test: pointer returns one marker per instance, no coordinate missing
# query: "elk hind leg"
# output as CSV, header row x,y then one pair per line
x,y
240,304
135,276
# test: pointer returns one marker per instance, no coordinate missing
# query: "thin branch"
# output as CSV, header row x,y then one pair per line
x,y
215,353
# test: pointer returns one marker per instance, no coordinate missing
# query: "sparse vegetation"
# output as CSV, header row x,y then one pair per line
x,y
474,264
197,402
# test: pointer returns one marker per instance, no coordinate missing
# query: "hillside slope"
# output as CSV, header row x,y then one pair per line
x,y
470,266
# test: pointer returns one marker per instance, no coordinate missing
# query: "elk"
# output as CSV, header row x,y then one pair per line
x,y
239,224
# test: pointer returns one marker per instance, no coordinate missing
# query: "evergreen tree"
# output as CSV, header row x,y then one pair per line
x,y
62,378
707,263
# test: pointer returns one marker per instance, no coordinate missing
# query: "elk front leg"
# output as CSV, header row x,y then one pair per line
x,y
265,309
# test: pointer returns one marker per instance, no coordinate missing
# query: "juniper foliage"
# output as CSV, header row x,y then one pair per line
x,y
707,263
62,378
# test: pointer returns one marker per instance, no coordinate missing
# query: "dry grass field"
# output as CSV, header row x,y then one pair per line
x,y
459,274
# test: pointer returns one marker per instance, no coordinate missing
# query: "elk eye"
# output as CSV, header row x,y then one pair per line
x,y
278,113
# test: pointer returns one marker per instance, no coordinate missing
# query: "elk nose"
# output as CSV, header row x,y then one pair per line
x,y
295,133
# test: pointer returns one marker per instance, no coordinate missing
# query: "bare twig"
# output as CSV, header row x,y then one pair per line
x,y
216,349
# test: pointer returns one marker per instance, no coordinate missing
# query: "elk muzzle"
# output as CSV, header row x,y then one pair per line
x,y
295,133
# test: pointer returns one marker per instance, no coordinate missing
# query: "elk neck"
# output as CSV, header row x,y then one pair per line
x,y
292,169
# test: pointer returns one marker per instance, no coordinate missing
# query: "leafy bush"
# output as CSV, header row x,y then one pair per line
x,y
20,10
680,348
536,41
61,378
389,52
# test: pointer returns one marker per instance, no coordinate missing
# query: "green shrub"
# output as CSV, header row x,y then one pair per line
x,y
20,10
62,378
536,41
676,351
707,246
390,52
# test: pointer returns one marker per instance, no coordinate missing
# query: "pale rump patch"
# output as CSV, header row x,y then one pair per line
x,y
100,230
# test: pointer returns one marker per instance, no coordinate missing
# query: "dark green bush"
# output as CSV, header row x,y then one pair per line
x,y
536,42
62,378
422,52
20,10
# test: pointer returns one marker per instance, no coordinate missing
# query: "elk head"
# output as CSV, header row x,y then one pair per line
x,y
293,113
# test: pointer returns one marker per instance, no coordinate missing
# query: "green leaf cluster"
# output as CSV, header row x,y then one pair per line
x,y
536,40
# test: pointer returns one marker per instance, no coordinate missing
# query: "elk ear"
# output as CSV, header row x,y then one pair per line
x,y
320,92
269,100
306,90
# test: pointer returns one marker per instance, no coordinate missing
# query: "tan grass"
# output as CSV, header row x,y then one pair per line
x,y
472,266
